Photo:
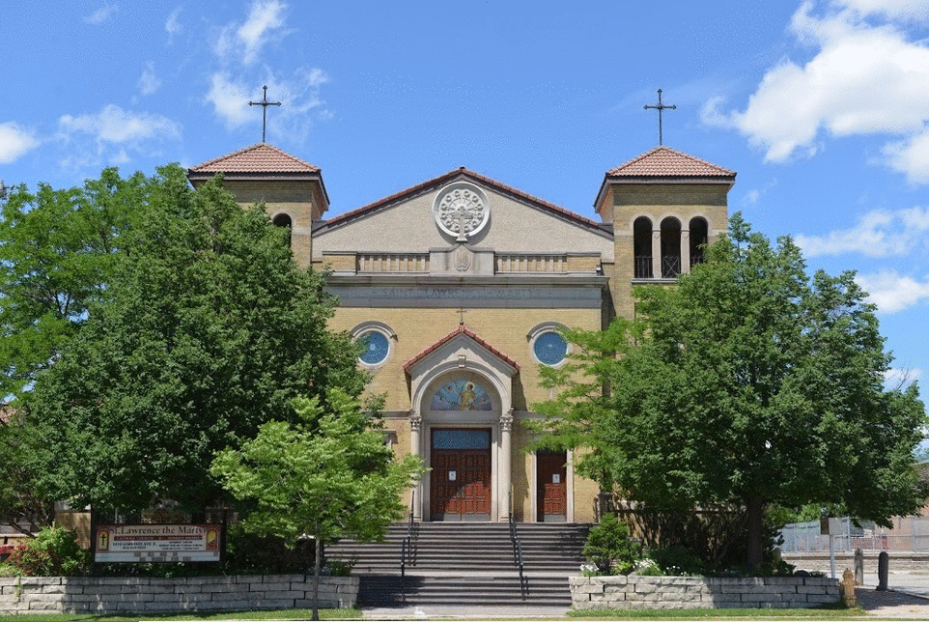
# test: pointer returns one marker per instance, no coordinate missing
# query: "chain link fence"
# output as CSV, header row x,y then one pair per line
x,y
910,533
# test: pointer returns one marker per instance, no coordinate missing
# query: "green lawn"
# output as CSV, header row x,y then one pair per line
x,y
280,614
838,612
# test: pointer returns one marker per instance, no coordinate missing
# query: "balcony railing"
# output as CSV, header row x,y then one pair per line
x,y
642,267
671,266
385,262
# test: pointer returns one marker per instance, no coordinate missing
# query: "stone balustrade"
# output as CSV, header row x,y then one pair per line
x,y
105,595
636,592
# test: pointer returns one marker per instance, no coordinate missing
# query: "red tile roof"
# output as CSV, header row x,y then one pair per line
x,y
442,179
258,158
665,162
463,330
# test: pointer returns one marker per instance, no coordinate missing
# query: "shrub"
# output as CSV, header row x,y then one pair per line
x,y
53,552
677,560
610,547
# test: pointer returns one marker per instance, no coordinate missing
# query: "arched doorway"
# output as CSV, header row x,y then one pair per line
x,y
461,440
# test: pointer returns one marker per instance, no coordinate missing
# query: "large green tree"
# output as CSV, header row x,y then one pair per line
x,y
748,384
206,331
57,250
326,475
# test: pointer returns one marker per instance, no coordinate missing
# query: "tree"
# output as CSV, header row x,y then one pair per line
x,y
23,506
327,475
207,330
56,256
746,385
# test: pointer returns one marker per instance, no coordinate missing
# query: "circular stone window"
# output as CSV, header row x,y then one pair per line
x,y
550,348
376,347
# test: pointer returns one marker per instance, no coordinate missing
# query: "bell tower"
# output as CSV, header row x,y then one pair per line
x,y
292,190
664,206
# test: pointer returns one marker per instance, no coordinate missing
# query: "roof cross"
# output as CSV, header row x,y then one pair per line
x,y
660,107
264,104
462,311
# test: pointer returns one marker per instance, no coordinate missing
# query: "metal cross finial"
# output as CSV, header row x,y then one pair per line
x,y
462,311
660,107
264,104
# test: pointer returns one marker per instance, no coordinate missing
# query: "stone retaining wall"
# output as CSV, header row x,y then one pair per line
x,y
635,592
151,595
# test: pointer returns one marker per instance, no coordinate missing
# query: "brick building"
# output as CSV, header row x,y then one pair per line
x,y
459,285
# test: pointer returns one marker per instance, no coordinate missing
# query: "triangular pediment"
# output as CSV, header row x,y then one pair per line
x,y
462,345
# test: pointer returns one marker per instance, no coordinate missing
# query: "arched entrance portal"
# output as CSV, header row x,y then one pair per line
x,y
461,420
461,424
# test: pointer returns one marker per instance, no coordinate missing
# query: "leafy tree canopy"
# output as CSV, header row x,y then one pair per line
x,y
326,475
56,254
207,329
748,384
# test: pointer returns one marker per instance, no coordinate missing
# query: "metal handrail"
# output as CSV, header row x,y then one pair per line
x,y
517,547
408,544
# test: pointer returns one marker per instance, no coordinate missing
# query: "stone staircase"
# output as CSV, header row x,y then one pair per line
x,y
467,564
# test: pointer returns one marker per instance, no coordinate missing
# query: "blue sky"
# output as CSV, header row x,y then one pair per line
x,y
821,107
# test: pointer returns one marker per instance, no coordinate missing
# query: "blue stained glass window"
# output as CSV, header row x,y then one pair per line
x,y
550,348
461,439
376,347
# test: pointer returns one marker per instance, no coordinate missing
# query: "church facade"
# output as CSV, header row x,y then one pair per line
x,y
458,288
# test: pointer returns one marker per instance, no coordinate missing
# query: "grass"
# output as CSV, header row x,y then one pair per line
x,y
279,614
837,612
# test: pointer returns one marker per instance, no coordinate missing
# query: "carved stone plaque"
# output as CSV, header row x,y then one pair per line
x,y
461,210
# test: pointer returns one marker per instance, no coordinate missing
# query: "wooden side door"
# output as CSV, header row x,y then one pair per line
x,y
551,487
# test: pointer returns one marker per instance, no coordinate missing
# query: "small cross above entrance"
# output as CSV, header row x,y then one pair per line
x,y
264,104
462,311
660,107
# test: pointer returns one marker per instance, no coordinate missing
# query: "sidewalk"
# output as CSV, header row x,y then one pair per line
x,y
907,598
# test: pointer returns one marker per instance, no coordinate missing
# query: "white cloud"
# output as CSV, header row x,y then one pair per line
x,y
173,24
864,79
901,377
15,141
914,10
891,292
299,95
752,196
245,41
230,100
148,82
115,126
910,157
102,14
879,233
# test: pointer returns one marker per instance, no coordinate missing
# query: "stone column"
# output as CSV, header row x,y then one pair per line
x,y
685,250
657,253
506,477
415,422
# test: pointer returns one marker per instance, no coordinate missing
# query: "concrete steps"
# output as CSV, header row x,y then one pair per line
x,y
467,564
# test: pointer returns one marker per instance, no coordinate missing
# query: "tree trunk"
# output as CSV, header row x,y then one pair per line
x,y
754,507
316,574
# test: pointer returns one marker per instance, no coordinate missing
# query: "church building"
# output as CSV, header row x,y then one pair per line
x,y
458,288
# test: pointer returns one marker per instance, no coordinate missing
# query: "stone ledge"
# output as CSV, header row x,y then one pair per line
x,y
124,595
701,592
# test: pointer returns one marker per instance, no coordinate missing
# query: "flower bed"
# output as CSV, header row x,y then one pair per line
x,y
639,592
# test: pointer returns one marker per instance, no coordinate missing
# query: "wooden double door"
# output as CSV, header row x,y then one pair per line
x,y
551,487
460,479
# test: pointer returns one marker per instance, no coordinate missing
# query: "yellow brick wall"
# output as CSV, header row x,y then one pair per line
x,y
417,329
658,201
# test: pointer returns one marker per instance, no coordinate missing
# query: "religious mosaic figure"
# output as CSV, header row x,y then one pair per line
x,y
461,395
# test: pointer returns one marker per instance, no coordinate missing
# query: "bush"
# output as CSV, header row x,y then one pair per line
x,y
53,552
677,560
610,547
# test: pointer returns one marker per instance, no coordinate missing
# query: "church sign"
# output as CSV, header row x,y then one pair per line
x,y
157,543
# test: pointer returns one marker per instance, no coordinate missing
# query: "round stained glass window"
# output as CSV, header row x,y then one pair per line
x,y
376,347
550,348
